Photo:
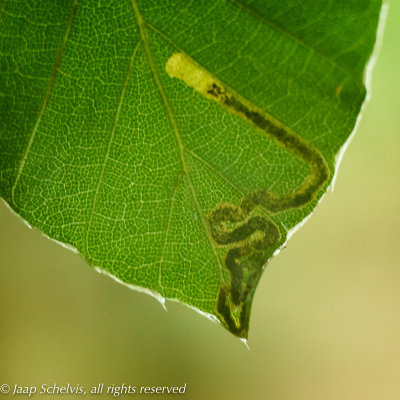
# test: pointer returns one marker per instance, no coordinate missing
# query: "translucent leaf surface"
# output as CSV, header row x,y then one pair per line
x,y
176,144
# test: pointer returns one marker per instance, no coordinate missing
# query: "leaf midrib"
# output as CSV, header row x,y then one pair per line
x,y
150,60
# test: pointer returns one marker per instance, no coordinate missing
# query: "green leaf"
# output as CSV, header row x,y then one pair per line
x,y
176,145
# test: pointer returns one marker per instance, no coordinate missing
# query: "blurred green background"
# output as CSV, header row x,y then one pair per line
x,y
326,316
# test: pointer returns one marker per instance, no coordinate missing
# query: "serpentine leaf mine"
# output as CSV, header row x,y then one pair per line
x,y
247,232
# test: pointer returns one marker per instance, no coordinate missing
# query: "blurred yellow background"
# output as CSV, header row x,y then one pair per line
x,y
326,316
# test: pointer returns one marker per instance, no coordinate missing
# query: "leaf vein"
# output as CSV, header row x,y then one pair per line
x,y
106,157
298,41
45,99
212,168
